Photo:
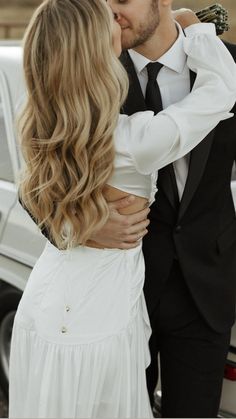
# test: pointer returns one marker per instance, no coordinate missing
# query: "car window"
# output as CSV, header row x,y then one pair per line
x,y
6,170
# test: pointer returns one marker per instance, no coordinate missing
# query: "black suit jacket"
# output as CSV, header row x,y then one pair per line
x,y
201,231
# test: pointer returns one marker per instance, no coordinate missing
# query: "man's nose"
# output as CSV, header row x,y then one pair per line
x,y
117,16
115,10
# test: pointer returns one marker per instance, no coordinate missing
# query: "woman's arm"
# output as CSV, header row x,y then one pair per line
x,y
155,141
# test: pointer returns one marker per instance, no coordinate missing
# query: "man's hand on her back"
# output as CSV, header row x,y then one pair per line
x,y
185,17
123,231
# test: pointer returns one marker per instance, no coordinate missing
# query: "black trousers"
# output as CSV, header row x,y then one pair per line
x,y
192,355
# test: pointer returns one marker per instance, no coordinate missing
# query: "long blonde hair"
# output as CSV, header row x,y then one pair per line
x,y
76,86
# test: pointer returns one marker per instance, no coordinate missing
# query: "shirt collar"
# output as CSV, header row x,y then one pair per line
x,y
175,58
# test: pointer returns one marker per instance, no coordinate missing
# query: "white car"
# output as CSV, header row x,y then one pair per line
x,y
21,243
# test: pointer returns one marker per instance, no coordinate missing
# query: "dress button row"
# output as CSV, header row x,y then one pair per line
x,y
64,329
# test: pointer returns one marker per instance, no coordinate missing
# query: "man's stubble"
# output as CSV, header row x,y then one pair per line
x,y
146,28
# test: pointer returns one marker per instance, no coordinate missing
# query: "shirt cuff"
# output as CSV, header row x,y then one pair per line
x,y
199,28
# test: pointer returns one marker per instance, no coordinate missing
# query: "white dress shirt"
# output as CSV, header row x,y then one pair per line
x,y
174,83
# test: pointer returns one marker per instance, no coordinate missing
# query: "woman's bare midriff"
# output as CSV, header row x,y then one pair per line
x,y
113,194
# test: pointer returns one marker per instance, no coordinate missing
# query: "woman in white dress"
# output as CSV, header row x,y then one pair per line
x,y
80,339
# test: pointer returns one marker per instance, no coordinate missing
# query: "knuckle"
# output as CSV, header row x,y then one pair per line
x,y
143,225
125,222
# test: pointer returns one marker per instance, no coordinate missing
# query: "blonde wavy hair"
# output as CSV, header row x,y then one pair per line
x,y
76,86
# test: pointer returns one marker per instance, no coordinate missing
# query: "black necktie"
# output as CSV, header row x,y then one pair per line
x,y
153,94
154,103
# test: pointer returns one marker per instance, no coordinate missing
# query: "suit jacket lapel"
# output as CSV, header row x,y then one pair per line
x,y
198,160
167,183
135,101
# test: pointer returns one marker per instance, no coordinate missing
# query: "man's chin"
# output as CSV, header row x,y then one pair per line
x,y
129,42
126,40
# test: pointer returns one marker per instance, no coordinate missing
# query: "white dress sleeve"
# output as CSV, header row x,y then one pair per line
x,y
155,141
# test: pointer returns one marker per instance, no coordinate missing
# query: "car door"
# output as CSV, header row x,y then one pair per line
x,y
8,161
20,239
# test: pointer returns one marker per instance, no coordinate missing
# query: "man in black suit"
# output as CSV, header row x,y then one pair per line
x,y
190,250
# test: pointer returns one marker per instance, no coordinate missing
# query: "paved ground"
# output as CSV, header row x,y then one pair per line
x,y
3,406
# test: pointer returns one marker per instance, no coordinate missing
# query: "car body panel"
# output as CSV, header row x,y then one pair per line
x,y
19,237
14,273
228,398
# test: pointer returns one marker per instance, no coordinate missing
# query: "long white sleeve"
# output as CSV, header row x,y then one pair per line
x,y
155,141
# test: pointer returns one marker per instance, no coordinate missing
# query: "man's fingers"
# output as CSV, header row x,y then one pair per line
x,y
138,217
136,237
136,228
122,203
127,246
133,241
128,241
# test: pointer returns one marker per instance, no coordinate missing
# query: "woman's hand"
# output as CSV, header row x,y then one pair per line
x,y
185,17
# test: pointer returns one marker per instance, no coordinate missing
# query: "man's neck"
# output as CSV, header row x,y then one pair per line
x,y
160,43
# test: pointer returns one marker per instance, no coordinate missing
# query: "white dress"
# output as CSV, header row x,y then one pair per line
x,y
80,338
